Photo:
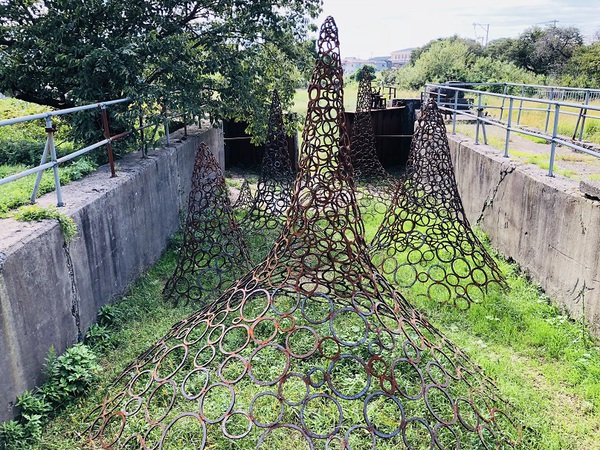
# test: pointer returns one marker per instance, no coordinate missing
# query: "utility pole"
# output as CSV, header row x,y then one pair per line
x,y
485,27
551,23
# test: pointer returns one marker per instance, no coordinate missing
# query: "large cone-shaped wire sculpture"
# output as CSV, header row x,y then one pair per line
x,y
213,253
425,238
267,211
376,185
312,349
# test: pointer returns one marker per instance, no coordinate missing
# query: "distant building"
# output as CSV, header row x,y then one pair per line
x,y
401,58
351,65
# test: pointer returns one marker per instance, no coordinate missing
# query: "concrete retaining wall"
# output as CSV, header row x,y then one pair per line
x,y
50,292
545,224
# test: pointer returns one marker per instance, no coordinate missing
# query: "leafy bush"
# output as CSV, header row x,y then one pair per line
x,y
70,374
14,436
99,336
107,315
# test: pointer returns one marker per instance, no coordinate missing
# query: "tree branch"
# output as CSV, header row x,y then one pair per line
x,y
54,103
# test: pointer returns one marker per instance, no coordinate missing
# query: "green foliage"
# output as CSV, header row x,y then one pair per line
x,y
460,60
216,57
473,47
14,436
68,377
544,51
358,75
35,212
489,70
444,60
107,315
24,143
71,374
583,69
98,336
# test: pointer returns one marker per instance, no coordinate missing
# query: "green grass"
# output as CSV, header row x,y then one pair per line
x,y
18,193
535,139
21,147
537,119
545,364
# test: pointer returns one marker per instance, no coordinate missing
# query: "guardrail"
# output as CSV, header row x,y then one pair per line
x,y
472,104
50,153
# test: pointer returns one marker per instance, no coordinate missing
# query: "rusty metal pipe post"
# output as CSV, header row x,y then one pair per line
x,y
111,159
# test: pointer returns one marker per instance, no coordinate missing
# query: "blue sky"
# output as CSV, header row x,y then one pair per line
x,y
377,27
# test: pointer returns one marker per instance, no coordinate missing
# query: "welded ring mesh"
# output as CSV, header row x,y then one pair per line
x,y
245,198
213,253
376,187
312,349
425,237
267,210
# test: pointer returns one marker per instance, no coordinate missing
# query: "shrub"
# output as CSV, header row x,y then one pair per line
x,y
70,374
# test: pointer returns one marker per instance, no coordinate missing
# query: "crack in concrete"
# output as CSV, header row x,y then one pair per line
x,y
490,200
75,299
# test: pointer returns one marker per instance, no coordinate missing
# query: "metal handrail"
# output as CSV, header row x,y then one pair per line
x,y
50,149
552,107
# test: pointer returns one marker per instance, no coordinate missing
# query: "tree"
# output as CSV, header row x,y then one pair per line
x,y
500,49
474,48
222,57
583,69
357,76
443,61
545,51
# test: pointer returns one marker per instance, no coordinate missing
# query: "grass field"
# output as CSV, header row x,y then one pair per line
x,y
545,364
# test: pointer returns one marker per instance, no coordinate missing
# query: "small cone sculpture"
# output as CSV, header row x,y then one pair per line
x,y
245,199
312,349
376,186
425,237
213,253
267,211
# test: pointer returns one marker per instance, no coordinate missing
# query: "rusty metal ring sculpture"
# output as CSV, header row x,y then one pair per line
x,y
376,187
266,211
425,236
213,253
312,349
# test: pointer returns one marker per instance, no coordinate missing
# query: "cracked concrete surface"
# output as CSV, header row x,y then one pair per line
x,y
490,200
546,224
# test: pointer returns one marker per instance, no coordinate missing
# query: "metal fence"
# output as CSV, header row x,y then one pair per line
x,y
479,102
49,159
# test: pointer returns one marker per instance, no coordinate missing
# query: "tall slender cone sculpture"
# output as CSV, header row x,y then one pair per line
x,y
213,253
376,187
425,237
363,151
312,349
267,211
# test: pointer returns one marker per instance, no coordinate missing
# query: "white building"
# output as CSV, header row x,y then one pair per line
x,y
351,65
401,58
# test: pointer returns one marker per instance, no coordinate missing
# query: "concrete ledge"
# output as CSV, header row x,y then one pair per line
x,y
50,292
544,223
